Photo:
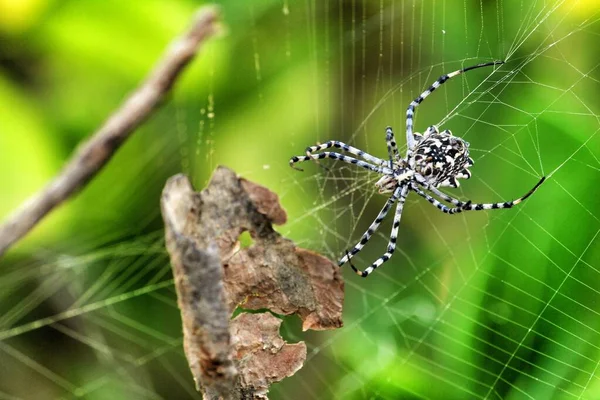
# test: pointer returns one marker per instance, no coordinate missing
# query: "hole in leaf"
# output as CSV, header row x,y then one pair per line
x,y
245,240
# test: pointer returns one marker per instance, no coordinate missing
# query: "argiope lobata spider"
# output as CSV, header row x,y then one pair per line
x,y
432,159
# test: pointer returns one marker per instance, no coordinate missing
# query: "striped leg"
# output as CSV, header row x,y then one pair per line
x,y
410,111
441,194
393,237
367,235
345,147
442,207
338,156
391,146
468,206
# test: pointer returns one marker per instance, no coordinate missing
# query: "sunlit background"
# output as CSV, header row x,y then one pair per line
x,y
491,304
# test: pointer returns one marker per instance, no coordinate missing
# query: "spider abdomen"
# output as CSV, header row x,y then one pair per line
x,y
442,159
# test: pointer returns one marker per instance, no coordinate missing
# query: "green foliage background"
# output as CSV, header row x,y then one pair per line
x,y
498,305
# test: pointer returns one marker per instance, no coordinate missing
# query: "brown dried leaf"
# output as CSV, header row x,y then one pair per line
x,y
202,231
272,273
263,356
266,202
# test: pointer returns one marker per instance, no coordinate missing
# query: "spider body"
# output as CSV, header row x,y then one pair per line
x,y
441,158
433,159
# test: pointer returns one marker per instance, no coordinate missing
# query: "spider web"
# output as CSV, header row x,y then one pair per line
x,y
491,304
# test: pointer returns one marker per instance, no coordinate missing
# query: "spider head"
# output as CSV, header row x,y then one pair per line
x,y
386,184
442,159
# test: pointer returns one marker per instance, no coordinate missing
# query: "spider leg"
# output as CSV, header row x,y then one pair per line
x,y
340,145
308,153
410,111
372,228
392,147
337,156
441,194
393,237
441,206
469,206
420,179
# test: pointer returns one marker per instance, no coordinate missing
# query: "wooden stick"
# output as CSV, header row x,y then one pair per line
x,y
94,154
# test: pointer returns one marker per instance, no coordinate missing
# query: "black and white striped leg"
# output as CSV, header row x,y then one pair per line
x,y
337,156
441,194
410,111
468,206
352,150
392,146
393,237
372,228
441,206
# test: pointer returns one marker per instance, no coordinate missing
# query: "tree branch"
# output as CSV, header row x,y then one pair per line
x,y
94,154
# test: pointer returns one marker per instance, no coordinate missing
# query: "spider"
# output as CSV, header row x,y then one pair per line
x,y
433,159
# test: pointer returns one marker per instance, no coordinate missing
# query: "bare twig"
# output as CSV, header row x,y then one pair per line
x,y
94,154
271,274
